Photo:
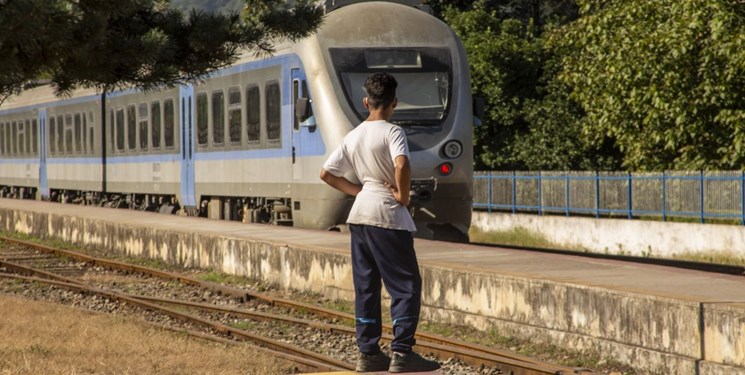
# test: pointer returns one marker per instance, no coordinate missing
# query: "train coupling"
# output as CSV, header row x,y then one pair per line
x,y
421,190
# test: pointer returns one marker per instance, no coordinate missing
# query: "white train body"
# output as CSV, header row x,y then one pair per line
x,y
248,142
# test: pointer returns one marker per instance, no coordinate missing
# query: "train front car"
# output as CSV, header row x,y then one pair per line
x,y
434,108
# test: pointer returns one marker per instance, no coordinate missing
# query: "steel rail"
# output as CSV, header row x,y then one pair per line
x,y
474,358
327,362
305,364
473,354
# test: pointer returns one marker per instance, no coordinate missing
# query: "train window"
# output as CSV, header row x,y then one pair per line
x,y
234,114
60,135
202,119
143,125
273,105
14,141
306,94
34,136
155,123
169,122
68,134
21,138
120,129
111,138
78,131
218,117
84,134
424,80
295,96
131,127
2,138
302,92
91,133
253,113
8,138
29,136
5,134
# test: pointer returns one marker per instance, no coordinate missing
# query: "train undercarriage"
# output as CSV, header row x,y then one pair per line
x,y
263,210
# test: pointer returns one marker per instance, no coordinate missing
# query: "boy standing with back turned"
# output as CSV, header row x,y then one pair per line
x,y
381,230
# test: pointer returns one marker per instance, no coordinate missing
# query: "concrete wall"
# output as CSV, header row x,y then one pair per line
x,y
620,236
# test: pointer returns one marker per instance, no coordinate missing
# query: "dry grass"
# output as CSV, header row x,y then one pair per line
x,y
44,338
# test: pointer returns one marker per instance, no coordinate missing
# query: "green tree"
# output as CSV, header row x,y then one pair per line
x,y
664,79
504,58
212,6
510,69
111,44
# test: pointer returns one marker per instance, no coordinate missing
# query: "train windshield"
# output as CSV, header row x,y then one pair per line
x,y
423,75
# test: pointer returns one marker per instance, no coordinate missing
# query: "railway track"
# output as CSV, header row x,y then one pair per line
x,y
219,319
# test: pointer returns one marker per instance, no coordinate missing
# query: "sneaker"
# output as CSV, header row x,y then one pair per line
x,y
411,362
373,363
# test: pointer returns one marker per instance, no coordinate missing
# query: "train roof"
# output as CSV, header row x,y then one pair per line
x,y
376,24
331,5
41,94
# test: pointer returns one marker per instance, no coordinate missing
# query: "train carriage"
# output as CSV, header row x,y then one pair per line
x,y
248,142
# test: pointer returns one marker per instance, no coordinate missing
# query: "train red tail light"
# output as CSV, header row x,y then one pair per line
x,y
445,169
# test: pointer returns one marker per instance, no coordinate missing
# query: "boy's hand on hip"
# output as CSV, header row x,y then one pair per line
x,y
395,192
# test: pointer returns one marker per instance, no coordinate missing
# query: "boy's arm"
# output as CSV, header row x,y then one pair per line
x,y
403,180
340,183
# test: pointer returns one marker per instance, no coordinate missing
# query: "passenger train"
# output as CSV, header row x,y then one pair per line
x,y
247,143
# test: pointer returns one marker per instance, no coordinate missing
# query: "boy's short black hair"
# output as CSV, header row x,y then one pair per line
x,y
381,90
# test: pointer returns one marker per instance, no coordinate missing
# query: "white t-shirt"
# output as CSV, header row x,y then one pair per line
x,y
369,151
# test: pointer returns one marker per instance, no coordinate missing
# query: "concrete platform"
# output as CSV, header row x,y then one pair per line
x,y
664,320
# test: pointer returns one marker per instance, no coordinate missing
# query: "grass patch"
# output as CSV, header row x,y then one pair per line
x,y
516,237
232,280
340,305
715,257
245,325
46,338
547,353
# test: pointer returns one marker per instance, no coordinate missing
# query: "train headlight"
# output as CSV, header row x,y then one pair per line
x,y
445,169
452,149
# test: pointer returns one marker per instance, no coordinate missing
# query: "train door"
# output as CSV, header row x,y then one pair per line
x,y
42,144
186,100
300,113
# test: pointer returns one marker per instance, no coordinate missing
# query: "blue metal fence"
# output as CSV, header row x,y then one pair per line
x,y
700,194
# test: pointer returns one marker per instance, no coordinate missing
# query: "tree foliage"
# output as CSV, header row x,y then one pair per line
x,y
210,6
529,123
665,79
111,44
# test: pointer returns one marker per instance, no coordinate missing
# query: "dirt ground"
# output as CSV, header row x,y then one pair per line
x,y
44,338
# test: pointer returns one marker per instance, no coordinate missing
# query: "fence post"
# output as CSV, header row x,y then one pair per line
x,y
702,196
488,191
664,197
630,198
514,192
566,192
540,194
597,194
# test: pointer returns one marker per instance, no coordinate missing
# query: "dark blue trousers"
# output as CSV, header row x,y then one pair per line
x,y
387,254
